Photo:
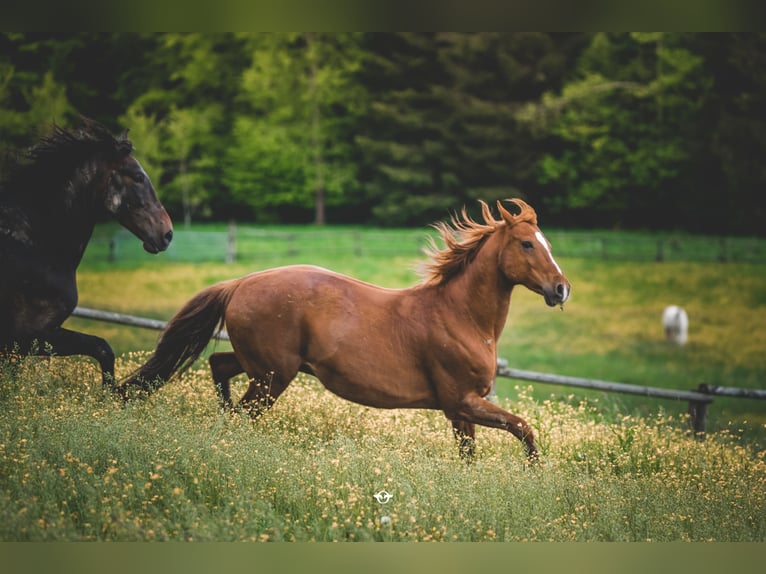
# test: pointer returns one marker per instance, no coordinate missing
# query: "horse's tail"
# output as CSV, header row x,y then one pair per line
x,y
183,339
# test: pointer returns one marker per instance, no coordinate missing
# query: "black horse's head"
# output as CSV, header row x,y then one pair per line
x,y
130,198
89,171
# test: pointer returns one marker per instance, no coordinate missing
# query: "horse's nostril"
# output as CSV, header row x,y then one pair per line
x,y
169,236
560,289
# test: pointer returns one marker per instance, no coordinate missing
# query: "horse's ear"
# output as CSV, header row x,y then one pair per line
x,y
519,211
510,218
123,145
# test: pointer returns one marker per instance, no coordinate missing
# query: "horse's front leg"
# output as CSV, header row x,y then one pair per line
x,y
477,410
465,433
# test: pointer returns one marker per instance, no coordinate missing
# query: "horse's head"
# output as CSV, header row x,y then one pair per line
x,y
526,258
131,199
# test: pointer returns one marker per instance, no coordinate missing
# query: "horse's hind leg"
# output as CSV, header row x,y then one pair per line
x,y
224,367
263,392
465,433
66,343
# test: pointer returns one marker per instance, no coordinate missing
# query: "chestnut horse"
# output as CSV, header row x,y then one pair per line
x,y
431,346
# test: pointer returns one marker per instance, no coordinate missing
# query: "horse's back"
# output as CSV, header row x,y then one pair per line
x,y
357,338
292,284
298,297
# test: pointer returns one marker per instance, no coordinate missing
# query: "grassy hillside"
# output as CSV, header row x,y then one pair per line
x,y
609,330
75,465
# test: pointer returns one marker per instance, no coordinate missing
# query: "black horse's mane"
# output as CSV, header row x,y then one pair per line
x,y
52,162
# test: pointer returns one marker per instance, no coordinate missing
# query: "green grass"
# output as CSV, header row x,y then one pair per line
x,y
74,465
609,330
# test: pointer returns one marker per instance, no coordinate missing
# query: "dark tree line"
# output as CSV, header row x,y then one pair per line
x,y
645,130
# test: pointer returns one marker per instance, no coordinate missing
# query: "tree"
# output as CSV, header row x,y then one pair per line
x,y
726,193
624,126
442,129
30,99
492,75
630,129
292,143
184,120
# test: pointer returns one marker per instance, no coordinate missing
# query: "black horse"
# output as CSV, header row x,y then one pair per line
x,y
50,200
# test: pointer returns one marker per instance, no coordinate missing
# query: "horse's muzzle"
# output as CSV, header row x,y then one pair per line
x,y
558,293
154,246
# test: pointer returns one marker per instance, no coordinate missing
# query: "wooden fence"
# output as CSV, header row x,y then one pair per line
x,y
698,400
248,243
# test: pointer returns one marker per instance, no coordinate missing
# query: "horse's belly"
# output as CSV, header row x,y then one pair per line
x,y
374,386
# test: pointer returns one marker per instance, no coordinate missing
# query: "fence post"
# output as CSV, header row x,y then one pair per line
x,y
660,251
698,413
698,420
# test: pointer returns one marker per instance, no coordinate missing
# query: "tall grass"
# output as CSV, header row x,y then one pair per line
x,y
75,465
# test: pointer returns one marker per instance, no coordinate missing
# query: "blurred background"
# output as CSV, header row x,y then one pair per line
x,y
647,131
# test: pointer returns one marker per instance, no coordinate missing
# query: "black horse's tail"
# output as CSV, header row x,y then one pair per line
x,y
183,339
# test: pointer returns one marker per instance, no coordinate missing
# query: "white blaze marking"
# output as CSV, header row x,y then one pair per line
x,y
544,243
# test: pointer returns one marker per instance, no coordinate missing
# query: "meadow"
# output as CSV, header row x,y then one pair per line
x,y
76,465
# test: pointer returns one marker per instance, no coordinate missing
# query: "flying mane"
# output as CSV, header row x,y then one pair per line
x,y
51,162
464,237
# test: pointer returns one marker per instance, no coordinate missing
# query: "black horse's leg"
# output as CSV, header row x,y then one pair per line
x,y
66,343
224,367
465,434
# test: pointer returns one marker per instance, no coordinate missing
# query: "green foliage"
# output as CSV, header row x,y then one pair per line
x,y
28,102
625,124
442,129
593,129
292,147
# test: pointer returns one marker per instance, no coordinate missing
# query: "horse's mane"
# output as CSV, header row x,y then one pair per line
x,y
464,237
50,164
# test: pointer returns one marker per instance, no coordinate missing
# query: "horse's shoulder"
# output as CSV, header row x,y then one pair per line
x,y
15,225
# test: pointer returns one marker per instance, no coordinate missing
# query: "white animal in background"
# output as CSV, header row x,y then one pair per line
x,y
676,324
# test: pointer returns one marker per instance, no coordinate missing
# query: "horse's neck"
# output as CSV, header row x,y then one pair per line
x,y
483,293
66,223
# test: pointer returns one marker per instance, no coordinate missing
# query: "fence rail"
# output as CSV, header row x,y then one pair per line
x,y
698,400
130,320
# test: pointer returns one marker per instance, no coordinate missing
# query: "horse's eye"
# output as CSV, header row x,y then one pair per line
x,y
527,245
138,177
